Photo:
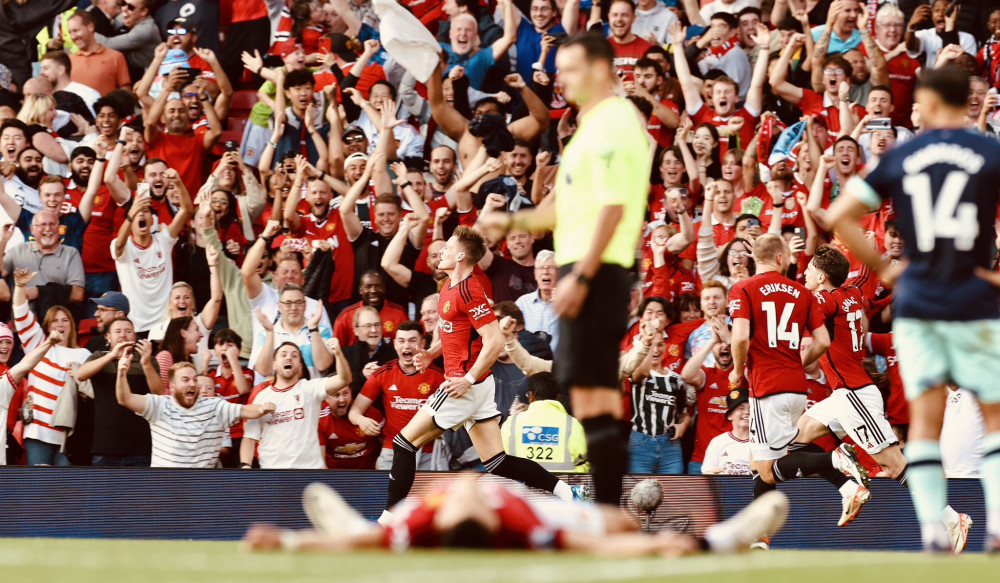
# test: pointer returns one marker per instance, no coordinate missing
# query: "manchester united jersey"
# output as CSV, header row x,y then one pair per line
x,y
844,311
463,309
402,394
780,312
347,447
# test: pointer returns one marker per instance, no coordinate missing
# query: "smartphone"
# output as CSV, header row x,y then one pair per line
x,y
952,7
190,73
231,146
142,190
800,232
560,37
879,123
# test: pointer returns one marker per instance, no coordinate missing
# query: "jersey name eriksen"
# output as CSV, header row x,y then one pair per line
x,y
768,289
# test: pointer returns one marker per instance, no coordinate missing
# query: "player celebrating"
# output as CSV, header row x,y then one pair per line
x,y
473,513
943,185
855,408
470,342
778,311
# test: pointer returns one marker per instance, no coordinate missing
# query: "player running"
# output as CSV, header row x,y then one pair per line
x,y
470,342
473,513
855,408
777,311
943,185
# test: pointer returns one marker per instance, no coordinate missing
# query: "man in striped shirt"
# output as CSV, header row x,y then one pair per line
x,y
187,431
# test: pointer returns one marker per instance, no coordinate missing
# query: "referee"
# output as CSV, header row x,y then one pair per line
x,y
600,199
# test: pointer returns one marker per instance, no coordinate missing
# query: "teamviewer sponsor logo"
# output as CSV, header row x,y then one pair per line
x,y
537,434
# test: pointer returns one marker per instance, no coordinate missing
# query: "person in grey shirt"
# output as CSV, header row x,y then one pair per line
x,y
55,263
139,42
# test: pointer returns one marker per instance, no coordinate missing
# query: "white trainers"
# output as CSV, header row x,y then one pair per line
x,y
846,461
959,533
853,504
762,518
329,513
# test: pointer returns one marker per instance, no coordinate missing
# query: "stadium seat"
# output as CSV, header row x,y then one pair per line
x,y
241,104
229,134
236,124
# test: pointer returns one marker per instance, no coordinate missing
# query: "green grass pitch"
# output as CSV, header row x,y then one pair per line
x,y
131,561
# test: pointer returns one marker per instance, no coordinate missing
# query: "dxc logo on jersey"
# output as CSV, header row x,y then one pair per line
x,y
480,311
538,434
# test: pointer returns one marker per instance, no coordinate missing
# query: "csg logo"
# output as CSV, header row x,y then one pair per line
x,y
539,434
480,311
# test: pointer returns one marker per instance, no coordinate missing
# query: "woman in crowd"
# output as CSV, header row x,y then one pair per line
x,y
180,343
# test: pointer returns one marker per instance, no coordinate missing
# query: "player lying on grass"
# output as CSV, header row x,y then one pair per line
x,y
472,513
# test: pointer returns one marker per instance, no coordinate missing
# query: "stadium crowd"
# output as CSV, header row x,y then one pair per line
x,y
221,221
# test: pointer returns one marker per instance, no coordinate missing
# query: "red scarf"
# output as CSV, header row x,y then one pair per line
x,y
721,50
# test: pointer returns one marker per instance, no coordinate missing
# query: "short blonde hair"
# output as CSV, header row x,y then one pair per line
x,y
35,107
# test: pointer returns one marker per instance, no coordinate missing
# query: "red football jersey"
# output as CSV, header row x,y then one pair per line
x,y
780,312
520,527
332,230
676,336
813,103
402,395
392,315
663,135
225,388
707,115
105,220
711,410
463,309
844,311
627,54
897,408
347,447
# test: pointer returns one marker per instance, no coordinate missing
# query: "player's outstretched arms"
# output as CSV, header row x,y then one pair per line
x,y
630,544
267,537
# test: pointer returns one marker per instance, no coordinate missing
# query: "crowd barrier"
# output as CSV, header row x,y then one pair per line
x,y
220,504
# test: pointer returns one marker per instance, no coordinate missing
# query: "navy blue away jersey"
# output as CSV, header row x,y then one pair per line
x,y
944,186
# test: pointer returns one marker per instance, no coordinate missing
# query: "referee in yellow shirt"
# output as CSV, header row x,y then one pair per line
x,y
600,201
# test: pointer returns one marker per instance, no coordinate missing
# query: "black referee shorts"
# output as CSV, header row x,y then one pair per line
x,y
587,355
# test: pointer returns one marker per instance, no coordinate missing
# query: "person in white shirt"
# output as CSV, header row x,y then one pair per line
x,y
288,436
292,327
729,453
12,377
143,259
56,67
652,20
929,40
187,431
962,435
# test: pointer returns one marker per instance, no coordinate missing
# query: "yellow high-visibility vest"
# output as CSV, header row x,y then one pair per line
x,y
45,35
545,433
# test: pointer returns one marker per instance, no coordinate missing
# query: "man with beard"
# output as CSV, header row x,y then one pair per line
x,y
930,40
70,96
463,49
539,22
860,77
371,351
187,431
287,437
783,182
143,259
292,327
154,174
323,229
177,143
835,71
418,284
121,438
536,306
55,263
514,276
22,179
649,76
402,390
347,446
903,69
372,292
711,382
110,306
514,184
725,91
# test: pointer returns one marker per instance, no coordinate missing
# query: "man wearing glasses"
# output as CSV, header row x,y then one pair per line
x,y
291,327
536,306
138,42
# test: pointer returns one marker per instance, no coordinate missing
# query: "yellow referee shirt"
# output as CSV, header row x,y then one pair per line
x,y
607,162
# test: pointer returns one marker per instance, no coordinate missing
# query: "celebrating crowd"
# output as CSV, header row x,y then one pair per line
x,y
222,221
